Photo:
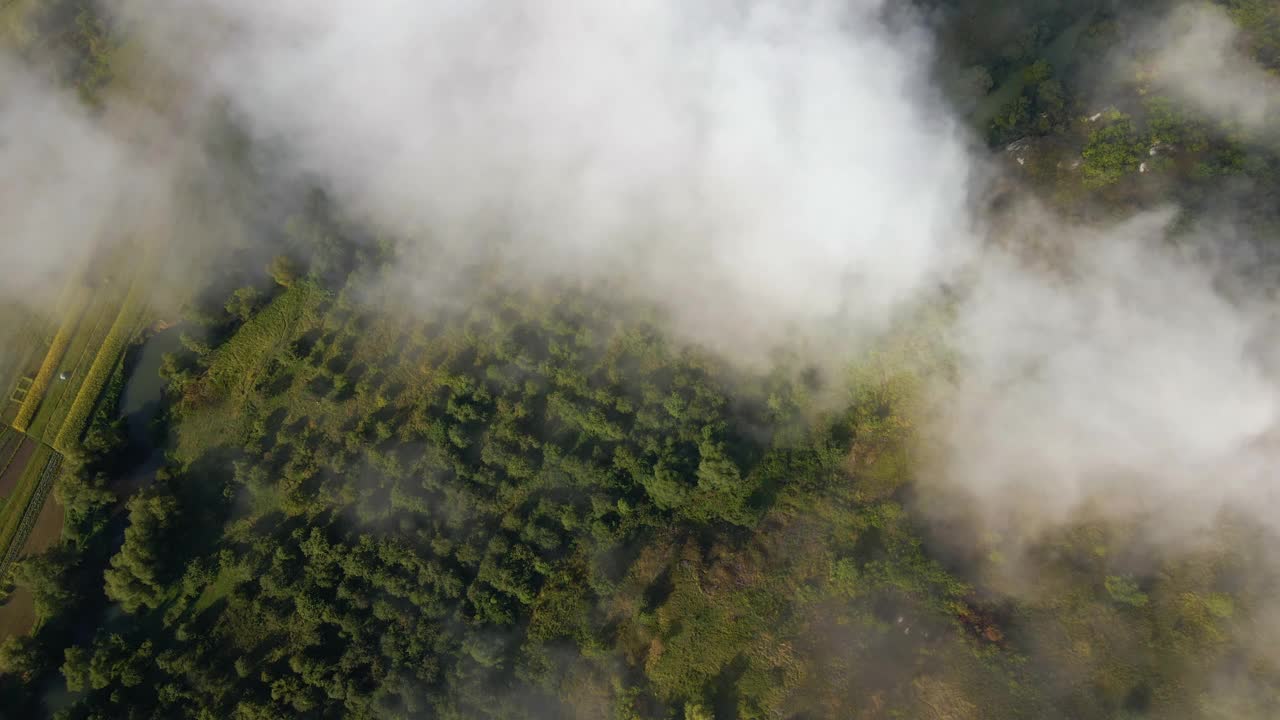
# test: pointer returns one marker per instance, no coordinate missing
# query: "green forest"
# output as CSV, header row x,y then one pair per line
x,y
542,503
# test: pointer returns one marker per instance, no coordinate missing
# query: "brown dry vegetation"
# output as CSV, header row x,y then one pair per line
x,y
47,529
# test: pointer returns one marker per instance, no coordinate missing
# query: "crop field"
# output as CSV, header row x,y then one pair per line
x,y
82,333
33,395
23,341
19,516
59,362
27,340
76,416
9,439
14,459
83,351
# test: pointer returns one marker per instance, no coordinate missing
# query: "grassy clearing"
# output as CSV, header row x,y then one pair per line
x,y
240,361
228,578
241,358
52,360
104,364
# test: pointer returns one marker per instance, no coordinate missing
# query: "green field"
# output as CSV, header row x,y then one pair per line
x,y
90,340
26,332
107,355
79,355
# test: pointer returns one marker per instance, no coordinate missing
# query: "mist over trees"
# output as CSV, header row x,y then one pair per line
x,y
722,361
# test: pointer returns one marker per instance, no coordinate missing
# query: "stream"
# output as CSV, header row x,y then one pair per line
x,y
141,398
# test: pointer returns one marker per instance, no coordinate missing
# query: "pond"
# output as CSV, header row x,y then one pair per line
x,y
140,401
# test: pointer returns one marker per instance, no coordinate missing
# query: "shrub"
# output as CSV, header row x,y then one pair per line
x,y
1112,152
1125,590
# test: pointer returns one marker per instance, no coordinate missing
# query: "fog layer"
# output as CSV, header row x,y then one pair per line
x,y
764,171
750,166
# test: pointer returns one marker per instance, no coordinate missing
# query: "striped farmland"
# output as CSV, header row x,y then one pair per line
x,y
99,374
51,359
18,538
